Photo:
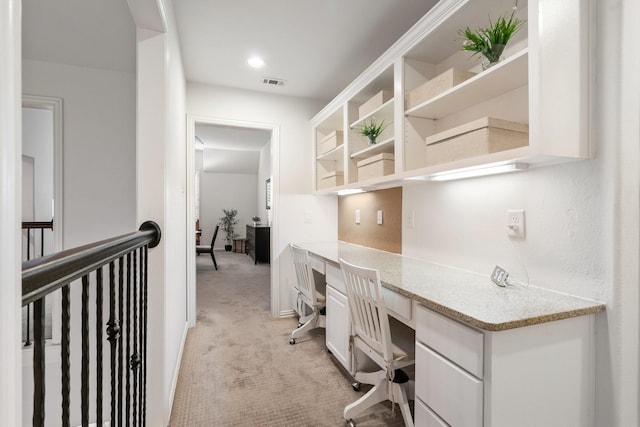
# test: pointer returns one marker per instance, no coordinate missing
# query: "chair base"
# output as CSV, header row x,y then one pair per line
x,y
381,391
312,321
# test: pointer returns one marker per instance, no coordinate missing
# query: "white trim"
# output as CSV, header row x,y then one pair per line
x,y
176,371
10,215
55,106
191,219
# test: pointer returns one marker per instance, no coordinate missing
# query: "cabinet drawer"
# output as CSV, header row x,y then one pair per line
x,y
454,394
424,417
334,278
397,303
457,342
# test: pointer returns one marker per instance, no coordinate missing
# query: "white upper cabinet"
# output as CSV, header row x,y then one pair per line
x,y
444,112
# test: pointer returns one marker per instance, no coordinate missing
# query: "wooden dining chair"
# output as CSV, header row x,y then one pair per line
x,y
208,249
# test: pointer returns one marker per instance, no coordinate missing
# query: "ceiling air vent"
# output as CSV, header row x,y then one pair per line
x,y
272,81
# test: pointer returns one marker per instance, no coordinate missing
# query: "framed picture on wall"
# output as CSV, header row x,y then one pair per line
x,y
268,193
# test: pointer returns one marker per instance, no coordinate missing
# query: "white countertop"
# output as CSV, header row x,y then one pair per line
x,y
469,297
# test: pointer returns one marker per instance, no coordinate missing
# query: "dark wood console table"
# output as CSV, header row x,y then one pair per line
x,y
259,243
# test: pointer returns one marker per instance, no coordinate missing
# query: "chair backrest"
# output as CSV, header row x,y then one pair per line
x,y
304,273
215,234
369,319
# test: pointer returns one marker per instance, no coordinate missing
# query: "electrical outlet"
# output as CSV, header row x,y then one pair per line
x,y
515,223
379,217
357,216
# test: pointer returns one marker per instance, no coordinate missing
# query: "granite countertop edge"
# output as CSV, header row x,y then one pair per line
x,y
583,306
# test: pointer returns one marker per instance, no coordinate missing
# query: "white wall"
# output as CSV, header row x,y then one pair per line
x,y
98,146
98,168
581,220
293,162
175,228
226,191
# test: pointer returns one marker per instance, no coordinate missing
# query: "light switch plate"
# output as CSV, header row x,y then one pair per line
x,y
357,216
379,217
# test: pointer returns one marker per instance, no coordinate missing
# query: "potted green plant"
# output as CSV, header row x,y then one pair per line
x,y
255,219
490,41
228,224
372,129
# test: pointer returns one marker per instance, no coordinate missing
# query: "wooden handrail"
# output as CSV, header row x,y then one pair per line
x,y
44,275
26,225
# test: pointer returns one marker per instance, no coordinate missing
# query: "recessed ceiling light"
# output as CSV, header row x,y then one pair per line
x,y
256,62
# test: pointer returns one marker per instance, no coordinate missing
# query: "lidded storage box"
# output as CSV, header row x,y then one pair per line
x,y
331,179
482,136
329,142
375,166
374,102
437,85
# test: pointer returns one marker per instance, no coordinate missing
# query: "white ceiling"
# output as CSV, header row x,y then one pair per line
x,y
316,46
231,149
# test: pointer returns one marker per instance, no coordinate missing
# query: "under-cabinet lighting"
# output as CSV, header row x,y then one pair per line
x,y
475,172
349,191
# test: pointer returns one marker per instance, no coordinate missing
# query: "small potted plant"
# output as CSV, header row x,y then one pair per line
x,y
228,224
256,220
490,41
372,129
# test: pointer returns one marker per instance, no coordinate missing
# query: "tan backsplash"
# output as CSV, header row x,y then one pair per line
x,y
388,236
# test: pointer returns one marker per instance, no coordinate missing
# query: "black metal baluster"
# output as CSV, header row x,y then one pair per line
x,y
64,355
42,242
128,340
113,331
28,340
84,386
135,358
38,363
121,346
99,347
143,382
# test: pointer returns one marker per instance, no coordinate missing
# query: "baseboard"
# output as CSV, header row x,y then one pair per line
x,y
176,372
288,313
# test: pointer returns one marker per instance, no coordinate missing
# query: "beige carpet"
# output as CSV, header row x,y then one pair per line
x,y
238,368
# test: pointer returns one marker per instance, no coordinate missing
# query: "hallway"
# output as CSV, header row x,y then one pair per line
x,y
238,368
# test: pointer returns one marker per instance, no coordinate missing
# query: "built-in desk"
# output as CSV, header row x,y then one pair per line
x,y
485,355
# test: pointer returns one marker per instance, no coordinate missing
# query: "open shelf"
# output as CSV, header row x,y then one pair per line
x,y
503,77
385,146
333,155
383,112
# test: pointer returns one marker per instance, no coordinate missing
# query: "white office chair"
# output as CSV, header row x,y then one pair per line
x,y
307,294
372,335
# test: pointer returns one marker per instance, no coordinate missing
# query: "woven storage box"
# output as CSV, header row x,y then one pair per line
x,y
483,136
375,166
437,85
374,102
332,179
329,142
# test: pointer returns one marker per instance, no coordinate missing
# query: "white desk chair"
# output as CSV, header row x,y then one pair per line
x,y
307,294
372,335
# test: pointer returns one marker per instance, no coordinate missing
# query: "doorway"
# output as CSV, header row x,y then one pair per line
x,y
222,151
42,191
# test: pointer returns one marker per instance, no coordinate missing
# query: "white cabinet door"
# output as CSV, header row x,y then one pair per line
x,y
338,326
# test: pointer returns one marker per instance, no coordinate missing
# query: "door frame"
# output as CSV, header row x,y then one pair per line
x,y
192,120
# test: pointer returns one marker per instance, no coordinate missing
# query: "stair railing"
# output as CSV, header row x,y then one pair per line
x,y
125,259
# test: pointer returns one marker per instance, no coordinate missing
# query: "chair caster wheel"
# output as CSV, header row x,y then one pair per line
x,y
351,423
356,386
292,341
